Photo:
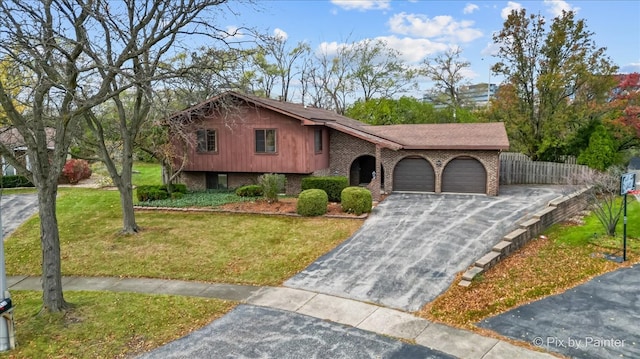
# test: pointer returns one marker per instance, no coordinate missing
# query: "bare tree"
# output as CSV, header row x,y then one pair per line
x,y
446,70
78,55
284,62
378,71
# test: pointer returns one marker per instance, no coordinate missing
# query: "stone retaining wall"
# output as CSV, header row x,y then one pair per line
x,y
558,210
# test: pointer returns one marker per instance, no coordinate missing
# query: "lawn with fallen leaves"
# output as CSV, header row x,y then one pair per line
x,y
567,255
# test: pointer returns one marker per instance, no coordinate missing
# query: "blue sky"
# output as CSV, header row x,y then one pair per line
x,y
420,29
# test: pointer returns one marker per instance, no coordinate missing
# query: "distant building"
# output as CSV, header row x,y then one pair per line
x,y
471,95
478,94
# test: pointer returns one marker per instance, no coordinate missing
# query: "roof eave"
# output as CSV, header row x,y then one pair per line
x,y
364,136
459,147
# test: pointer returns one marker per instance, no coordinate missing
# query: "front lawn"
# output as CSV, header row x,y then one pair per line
x,y
212,247
571,254
106,324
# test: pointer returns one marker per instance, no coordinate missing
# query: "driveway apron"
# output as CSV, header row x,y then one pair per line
x,y
409,250
598,319
257,332
15,209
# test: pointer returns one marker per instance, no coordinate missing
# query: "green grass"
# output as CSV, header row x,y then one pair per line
x,y
106,324
212,247
17,191
592,232
145,173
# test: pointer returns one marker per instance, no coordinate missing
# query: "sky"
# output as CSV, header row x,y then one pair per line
x,y
420,29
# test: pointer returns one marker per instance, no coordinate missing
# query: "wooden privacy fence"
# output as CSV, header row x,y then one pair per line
x,y
519,169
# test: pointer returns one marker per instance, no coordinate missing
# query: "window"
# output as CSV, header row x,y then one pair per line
x,y
318,140
216,180
266,141
207,141
7,169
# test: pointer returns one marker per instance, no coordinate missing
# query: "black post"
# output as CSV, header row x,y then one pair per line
x,y
624,231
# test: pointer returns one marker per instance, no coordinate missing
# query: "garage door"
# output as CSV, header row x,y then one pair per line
x,y
464,175
414,174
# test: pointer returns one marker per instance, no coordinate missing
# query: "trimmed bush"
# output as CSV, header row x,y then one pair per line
x,y
356,200
272,184
175,187
312,202
151,193
75,170
14,181
252,190
332,185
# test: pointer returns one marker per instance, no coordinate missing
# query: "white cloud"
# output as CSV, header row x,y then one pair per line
x,y
362,5
411,50
280,34
555,7
490,50
630,67
510,7
470,8
443,27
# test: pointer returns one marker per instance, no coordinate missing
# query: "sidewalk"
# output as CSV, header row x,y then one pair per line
x,y
365,316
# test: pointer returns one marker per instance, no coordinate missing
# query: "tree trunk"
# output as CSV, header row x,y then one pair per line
x,y
129,225
125,187
52,297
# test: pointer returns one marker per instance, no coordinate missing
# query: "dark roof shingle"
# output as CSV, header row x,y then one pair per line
x,y
460,136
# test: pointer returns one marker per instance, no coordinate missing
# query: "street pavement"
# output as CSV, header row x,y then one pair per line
x,y
411,248
599,319
277,322
14,209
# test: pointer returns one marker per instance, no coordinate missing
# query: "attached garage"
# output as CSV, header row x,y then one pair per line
x,y
464,175
414,174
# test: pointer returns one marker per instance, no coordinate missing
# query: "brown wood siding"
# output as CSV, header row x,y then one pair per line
x,y
320,159
236,145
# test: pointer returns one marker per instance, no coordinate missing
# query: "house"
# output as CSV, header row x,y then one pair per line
x,y
11,138
239,137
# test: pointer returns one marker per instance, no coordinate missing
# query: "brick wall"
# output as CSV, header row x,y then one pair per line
x,y
558,210
196,181
345,149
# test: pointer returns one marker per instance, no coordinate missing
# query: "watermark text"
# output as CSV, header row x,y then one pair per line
x,y
578,343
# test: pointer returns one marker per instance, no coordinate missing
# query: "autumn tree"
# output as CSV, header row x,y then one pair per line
x,y
623,117
557,81
78,56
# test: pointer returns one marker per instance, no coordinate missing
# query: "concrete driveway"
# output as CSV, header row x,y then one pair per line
x,y
598,319
410,249
15,209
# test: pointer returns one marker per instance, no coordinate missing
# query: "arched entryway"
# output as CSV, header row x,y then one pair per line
x,y
464,175
363,170
414,174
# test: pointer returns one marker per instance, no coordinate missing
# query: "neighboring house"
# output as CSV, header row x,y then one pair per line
x,y
13,140
268,136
